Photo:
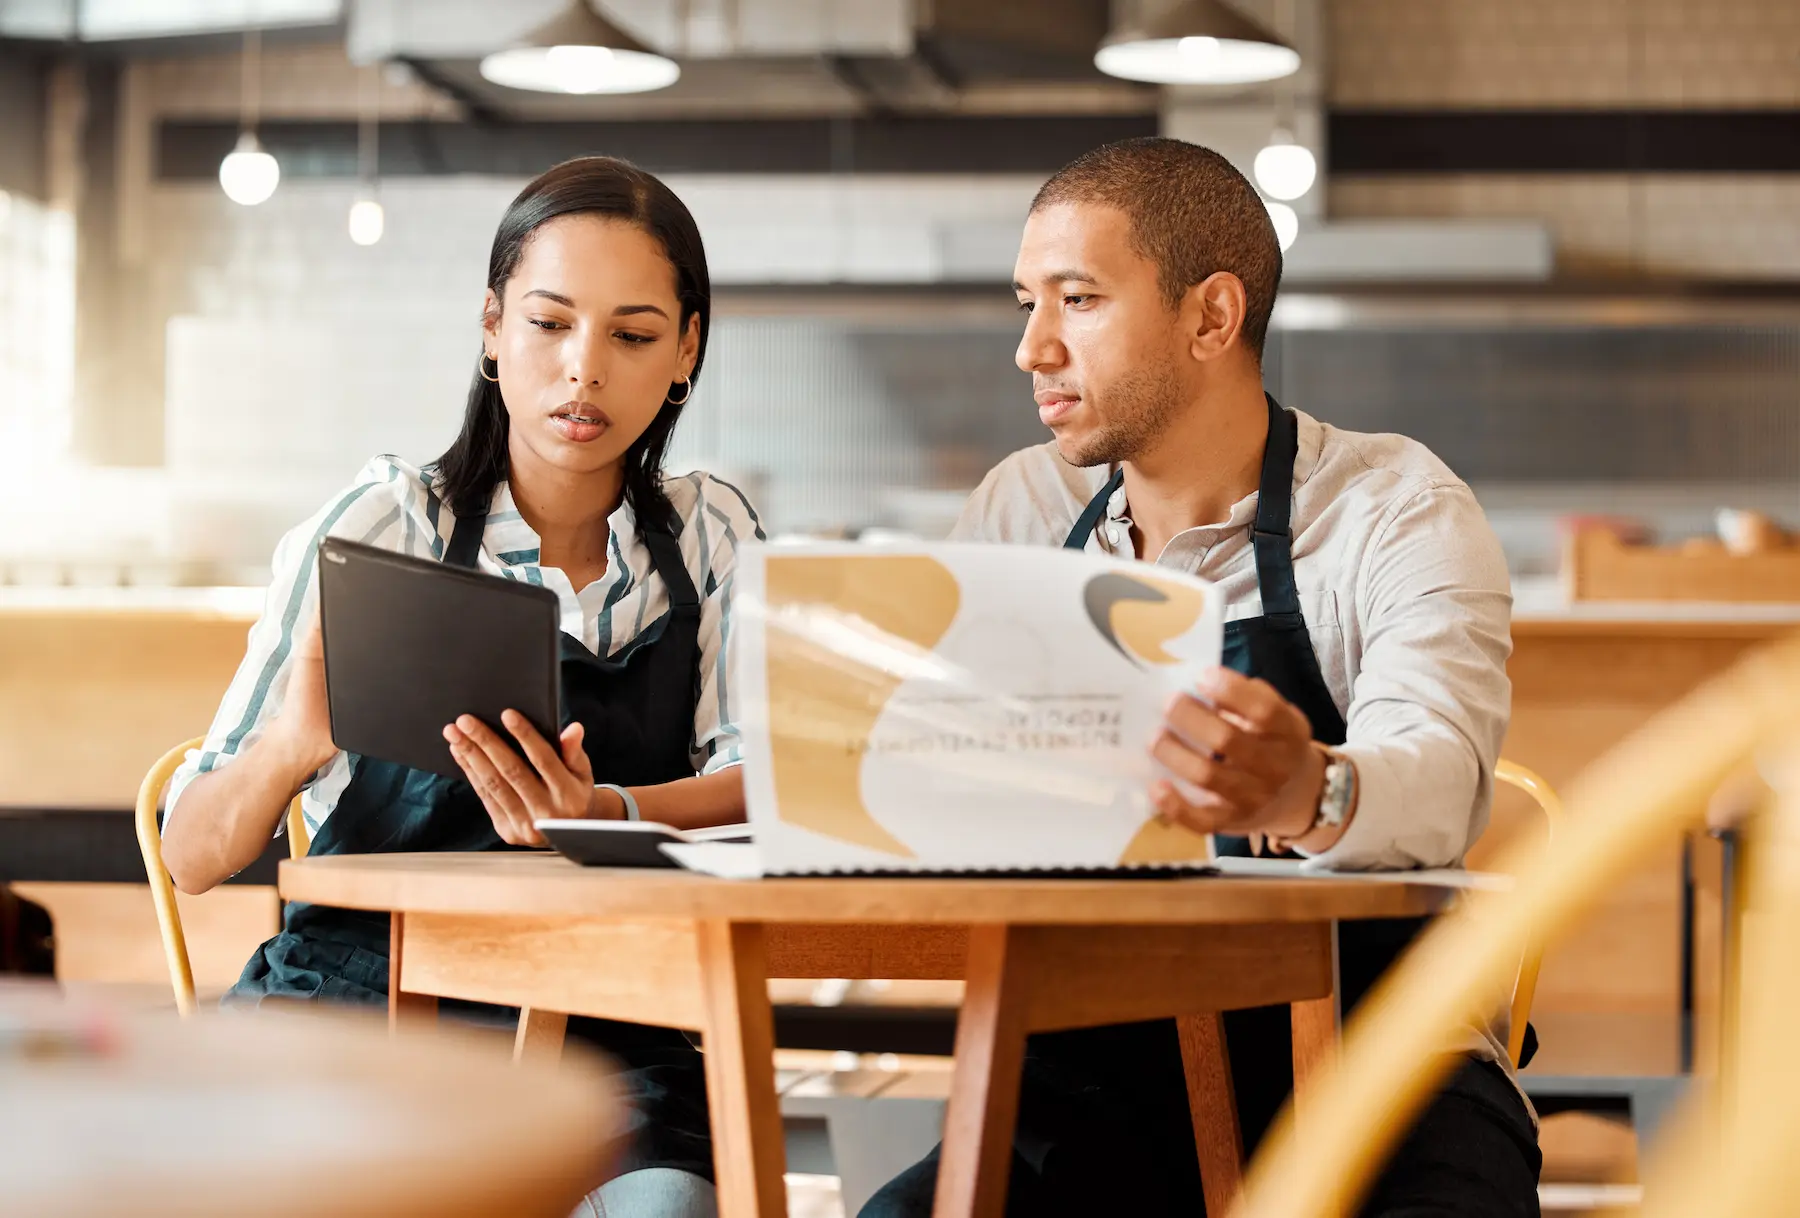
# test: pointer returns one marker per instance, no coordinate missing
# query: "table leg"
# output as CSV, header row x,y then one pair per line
x,y
984,1092
749,1156
1315,1040
404,1009
1212,1105
540,1035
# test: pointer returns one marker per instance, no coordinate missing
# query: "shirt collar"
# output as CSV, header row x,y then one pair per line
x,y
1309,443
513,542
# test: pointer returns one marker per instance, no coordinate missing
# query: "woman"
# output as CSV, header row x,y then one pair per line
x,y
594,327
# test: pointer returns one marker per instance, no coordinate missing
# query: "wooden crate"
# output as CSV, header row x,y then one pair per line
x,y
1598,566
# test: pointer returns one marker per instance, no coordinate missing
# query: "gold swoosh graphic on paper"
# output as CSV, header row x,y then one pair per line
x,y
1138,614
1157,842
823,703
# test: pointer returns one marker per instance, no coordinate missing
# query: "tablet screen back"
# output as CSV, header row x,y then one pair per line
x,y
410,644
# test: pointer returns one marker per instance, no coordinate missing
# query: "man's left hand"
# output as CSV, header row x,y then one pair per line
x,y
1245,753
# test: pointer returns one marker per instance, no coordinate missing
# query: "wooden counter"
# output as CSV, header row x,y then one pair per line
x,y
95,685
1582,680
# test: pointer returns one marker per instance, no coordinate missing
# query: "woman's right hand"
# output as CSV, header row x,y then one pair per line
x,y
302,728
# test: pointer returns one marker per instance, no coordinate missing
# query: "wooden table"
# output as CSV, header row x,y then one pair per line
x,y
682,950
289,1116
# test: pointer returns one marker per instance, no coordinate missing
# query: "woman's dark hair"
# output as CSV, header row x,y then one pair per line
x,y
586,186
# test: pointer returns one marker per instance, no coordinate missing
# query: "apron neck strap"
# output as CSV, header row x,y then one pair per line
x,y
1272,538
1091,514
665,556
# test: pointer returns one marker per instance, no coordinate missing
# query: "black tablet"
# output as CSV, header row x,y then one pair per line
x,y
411,644
628,843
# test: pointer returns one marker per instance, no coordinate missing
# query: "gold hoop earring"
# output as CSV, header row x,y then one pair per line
x,y
682,400
483,371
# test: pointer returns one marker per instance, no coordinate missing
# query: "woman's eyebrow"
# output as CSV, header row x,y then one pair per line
x,y
628,310
547,294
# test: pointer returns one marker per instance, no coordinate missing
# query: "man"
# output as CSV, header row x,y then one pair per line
x,y
1364,697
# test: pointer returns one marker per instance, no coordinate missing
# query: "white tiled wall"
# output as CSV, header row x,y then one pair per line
x,y
293,355
37,331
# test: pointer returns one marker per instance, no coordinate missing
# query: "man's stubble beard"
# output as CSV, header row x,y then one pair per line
x,y
1141,408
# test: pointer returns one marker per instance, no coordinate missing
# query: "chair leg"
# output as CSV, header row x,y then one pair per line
x,y
1212,1105
540,1036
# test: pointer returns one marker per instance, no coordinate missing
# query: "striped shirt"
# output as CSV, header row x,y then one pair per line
x,y
392,505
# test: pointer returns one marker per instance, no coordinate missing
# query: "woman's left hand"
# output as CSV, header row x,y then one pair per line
x,y
554,786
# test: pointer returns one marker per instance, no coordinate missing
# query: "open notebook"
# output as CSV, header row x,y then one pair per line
x,y
956,708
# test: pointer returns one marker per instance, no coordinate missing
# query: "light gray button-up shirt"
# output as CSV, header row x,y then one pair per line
x,y
1406,597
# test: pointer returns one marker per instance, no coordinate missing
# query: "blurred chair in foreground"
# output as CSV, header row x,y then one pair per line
x,y
1735,1157
109,1112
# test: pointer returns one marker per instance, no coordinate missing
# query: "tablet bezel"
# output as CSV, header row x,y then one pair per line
x,y
412,735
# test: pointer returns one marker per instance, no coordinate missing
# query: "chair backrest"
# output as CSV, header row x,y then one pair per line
x,y
1525,987
162,888
1643,793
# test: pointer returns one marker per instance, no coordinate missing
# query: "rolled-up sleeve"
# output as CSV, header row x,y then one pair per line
x,y
377,510
723,520
1431,699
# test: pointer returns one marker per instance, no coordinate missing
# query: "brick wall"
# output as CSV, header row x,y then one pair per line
x,y
1609,54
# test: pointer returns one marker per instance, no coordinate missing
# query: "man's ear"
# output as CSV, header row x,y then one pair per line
x,y
1212,315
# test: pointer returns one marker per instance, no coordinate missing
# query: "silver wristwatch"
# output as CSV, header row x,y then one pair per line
x,y
1338,794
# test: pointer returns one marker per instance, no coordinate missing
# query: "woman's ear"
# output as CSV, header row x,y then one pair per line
x,y
490,316
690,346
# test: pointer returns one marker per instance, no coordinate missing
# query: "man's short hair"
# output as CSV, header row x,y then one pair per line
x,y
1191,213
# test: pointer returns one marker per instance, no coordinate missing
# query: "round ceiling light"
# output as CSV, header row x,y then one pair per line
x,y
1286,222
1197,42
367,222
248,174
1285,170
583,53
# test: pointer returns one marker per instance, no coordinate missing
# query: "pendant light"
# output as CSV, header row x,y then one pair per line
x,y
1195,42
1286,221
248,174
580,52
366,218
1285,169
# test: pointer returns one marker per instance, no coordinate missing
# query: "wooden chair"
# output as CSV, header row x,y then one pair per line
x,y
162,888
1211,1103
1649,789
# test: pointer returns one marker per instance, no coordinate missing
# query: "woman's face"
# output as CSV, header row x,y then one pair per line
x,y
588,340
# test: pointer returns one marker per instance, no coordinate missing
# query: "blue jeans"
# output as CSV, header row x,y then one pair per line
x,y
651,1192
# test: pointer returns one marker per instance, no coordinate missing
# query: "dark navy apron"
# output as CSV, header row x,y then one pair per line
x,y
638,716
1138,1066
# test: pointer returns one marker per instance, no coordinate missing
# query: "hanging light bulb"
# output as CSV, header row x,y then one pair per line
x,y
248,174
1285,170
1197,42
367,221
580,52
1286,222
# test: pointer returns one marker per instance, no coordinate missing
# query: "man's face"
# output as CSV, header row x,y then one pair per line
x,y
1102,346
